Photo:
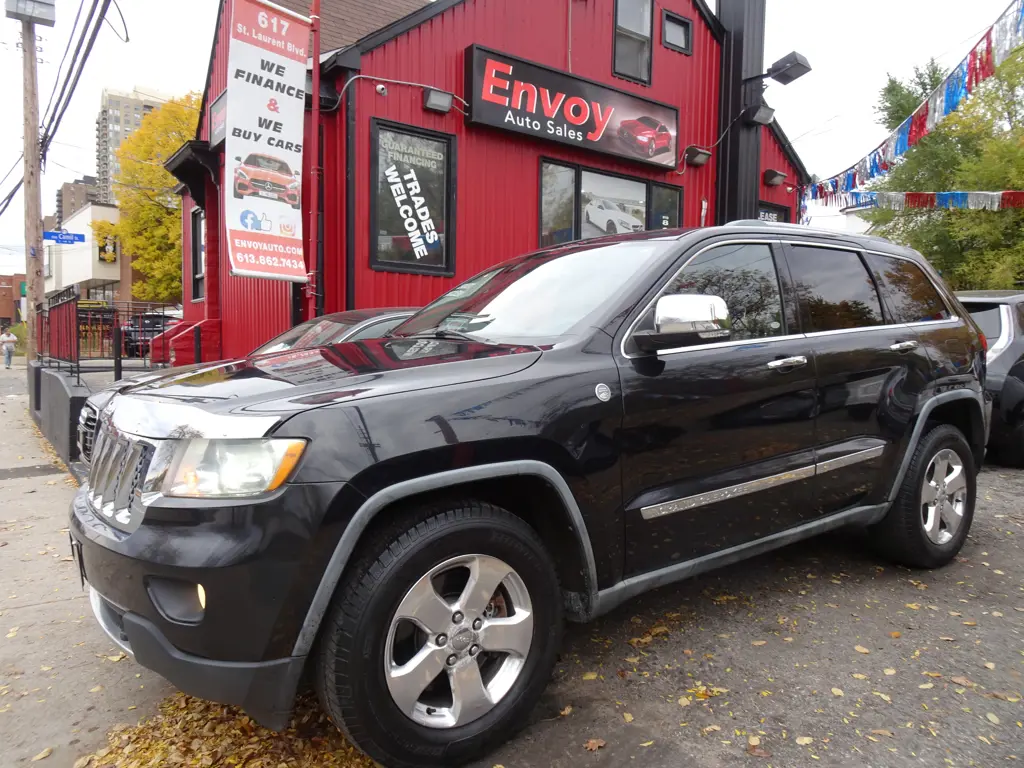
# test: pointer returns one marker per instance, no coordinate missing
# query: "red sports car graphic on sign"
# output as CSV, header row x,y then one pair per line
x,y
645,135
267,177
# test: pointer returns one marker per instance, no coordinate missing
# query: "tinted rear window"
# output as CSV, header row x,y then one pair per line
x,y
911,296
988,318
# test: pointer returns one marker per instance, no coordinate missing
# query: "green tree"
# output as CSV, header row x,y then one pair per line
x,y
978,148
149,229
898,99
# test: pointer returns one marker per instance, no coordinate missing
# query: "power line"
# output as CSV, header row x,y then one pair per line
x,y
123,23
16,162
67,75
56,80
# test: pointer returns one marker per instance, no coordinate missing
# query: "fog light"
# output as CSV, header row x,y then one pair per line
x,y
183,602
202,596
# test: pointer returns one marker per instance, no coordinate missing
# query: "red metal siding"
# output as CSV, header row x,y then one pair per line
x,y
772,157
191,311
498,172
218,79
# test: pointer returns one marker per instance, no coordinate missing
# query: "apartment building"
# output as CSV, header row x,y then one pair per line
x,y
73,196
120,115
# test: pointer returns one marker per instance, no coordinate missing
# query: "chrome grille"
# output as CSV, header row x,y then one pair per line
x,y
86,432
116,475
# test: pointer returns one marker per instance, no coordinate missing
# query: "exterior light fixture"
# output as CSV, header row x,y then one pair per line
x,y
759,114
696,156
785,70
774,178
40,12
437,101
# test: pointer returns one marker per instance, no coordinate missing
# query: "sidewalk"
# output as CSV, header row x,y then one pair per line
x,y
60,686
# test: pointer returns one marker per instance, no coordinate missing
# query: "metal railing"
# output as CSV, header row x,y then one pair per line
x,y
83,335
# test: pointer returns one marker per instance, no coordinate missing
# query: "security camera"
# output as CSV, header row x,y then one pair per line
x,y
382,89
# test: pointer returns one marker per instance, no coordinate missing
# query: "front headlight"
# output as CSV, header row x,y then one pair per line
x,y
643,138
204,468
626,224
293,185
242,175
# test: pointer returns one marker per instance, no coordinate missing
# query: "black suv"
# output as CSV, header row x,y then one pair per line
x,y
408,519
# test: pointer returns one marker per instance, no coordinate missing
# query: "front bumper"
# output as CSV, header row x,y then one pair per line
x,y
265,690
259,563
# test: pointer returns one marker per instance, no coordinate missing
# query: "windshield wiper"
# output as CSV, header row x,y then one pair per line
x,y
444,333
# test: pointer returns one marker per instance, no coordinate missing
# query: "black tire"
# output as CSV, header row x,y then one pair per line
x,y
650,148
611,229
586,216
349,658
900,536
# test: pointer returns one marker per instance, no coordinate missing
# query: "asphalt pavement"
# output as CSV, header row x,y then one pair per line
x,y
818,654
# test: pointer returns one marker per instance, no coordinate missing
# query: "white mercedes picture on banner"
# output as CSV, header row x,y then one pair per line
x,y
266,103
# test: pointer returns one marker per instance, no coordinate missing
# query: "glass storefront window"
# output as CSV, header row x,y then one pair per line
x,y
557,206
411,220
610,205
665,207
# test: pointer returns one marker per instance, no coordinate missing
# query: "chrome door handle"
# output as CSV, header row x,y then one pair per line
x,y
903,346
788,362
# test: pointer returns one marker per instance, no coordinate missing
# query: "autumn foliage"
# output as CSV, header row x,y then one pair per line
x,y
150,226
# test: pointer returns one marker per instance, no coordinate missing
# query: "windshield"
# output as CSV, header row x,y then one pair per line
x,y
268,164
988,318
650,122
548,294
312,333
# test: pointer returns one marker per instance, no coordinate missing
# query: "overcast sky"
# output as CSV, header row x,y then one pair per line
x,y
827,113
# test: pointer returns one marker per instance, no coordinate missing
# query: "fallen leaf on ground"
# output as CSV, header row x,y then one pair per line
x,y
989,665
121,655
889,671
96,689
42,755
13,632
590,675
970,623
82,762
991,718
895,635
926,686
948,639
883,732
837,691
884,697
632,659
914,606
646,743
960,680
658,631
567,711
932,674
593,745
627,717
859,676
803,741
861,649
757,751
760,642
710,729
753,741
684,701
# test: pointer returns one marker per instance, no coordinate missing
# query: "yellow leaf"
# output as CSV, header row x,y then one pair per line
x,y
837,691
13,632
992,718
684,701
711,729
632,659
754,741
883,697
914,606
45,668
883,732
803,741
567,711
932,674
760,642
96,689
590,675
660,630
861,649
627,717
895,635
119,656
42,755
970,623
926,686
989,665
859,676
646,743
889,671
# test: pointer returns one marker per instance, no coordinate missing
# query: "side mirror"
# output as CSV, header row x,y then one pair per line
x,y
238,159
684,320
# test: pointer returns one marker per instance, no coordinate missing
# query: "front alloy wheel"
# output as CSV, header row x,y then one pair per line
x,y
441,636
448,662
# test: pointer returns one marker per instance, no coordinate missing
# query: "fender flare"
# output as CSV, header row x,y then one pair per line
x,y
922,419
378,501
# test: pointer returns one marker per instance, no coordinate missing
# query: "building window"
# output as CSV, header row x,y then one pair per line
x,y
633,22
772,212
577,204
676,32
412,209
198,246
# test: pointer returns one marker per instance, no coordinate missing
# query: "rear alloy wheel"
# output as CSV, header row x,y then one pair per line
x,y
931,517
442,636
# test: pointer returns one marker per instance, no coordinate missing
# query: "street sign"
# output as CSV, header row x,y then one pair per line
x,y
64,238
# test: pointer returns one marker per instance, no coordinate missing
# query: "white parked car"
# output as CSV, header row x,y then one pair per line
x,y
612,219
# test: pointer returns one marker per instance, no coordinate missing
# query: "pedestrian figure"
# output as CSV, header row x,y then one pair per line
x,y
7,341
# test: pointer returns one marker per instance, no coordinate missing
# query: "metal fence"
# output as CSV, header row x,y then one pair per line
x,y
81,335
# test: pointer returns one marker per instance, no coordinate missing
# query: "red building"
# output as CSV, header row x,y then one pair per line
x,y
569,120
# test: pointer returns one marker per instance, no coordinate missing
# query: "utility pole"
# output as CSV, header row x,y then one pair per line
x,y
30,13
33,194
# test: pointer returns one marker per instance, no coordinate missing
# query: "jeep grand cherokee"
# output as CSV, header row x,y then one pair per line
x,y
409,519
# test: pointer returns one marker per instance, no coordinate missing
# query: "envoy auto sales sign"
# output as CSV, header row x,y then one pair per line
x,y
521,96
266,103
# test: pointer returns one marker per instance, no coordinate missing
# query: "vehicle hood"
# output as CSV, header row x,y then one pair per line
x,y
637,128
254,172
283,384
